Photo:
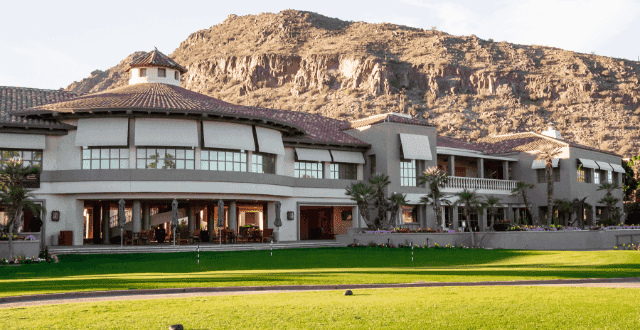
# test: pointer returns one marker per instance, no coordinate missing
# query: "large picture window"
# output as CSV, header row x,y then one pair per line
x,y
408,173
584,175
542,175
343,171
464,224
165,158
307,170
104,158
29,157
263,163
223,160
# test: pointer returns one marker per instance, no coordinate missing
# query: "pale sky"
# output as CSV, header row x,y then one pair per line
x,y
50,44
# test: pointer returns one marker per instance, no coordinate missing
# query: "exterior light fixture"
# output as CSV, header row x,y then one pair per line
x,y
55,215
289,215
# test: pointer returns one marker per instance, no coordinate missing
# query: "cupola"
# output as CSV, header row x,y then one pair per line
x,y
552,132
155,67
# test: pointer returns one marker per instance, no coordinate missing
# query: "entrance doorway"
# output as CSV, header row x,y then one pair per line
x,y
324,222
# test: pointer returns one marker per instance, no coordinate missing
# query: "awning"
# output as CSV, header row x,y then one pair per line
x,y
22,141
413,199
604,166
415,146
269,141
225,135
352,157
100,132
539,163
166,132
588,163
313,155
617,168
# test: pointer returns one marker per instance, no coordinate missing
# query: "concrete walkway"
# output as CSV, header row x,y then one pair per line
x,y
95,296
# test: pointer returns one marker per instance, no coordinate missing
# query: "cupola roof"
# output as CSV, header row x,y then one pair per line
x,y
156,58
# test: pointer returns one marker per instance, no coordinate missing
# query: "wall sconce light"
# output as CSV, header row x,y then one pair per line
x,y
55,215
289,215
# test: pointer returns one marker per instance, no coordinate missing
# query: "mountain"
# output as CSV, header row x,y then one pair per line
x,y
466,86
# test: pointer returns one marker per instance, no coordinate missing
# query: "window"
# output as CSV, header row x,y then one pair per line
x,y
162,73
584,175
610,176
542,175
408,173
166,158
29,157
223,160
263,163
307,170
409,213
464,224
105,158
596,177
372,165
615,179
176,75
343,171
142,73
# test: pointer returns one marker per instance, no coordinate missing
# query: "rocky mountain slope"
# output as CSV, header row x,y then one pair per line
x,y
468,87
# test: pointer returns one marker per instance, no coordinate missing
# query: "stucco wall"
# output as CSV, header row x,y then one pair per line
x,y
152,76
20,248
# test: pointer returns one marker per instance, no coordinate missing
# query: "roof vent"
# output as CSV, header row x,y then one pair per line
x,y
552,132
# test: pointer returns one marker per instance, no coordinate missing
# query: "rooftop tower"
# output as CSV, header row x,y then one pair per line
x,y
155,67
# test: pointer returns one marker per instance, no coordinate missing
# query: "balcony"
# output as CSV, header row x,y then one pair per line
x,y
457,183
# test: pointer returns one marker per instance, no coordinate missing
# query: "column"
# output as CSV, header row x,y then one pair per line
x,y
509,215
482,220
455,218
233,225
481,167
146,216
137,212
505,170
97,228
452,165
429,217
355,216
191,216
105,223
249,156
210,221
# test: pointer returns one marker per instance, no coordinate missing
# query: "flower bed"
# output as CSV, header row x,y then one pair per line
x,y
44,256
402,231
400,245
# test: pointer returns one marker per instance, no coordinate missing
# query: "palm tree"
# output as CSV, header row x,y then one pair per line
x,y
470,201
613,212
435,179
491,204
521,190
436,200
361,194
395,202
379,182
15,196
547,153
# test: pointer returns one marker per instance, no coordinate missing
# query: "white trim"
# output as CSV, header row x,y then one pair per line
x,y
166,132
101,132
228,136
22,141
416,146
352,157
269,141
313,155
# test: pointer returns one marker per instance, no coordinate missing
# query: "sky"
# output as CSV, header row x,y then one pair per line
x,y
50,44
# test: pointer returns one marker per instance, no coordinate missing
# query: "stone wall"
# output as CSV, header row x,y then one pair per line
x,y
20,248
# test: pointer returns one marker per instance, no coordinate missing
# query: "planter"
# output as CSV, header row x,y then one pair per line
x,y
501,226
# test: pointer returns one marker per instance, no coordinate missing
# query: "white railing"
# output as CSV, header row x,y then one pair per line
x,y
457,182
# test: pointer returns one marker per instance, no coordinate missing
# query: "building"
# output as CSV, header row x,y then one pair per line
x,y
152,141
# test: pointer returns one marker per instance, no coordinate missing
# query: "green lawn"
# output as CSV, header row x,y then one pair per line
x,y
414,308
310,266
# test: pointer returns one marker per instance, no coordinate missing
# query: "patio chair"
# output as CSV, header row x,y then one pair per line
x,y
128,237
243,235
183,236
143,237
151,235
196,236
267,235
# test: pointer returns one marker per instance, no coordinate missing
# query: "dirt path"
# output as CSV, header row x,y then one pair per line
x,y
83,297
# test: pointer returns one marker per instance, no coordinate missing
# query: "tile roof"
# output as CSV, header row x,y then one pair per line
x,y
14,99
390,117
530,141
156,58
163,98
485,148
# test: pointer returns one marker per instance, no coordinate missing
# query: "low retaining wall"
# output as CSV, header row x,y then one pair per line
x,y
516,240
20,248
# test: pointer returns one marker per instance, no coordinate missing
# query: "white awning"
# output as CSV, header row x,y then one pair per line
x,y
539,163
588,163
228,136
269,141
416,146
413,199
352,157
604,166
617,168
22,141
313,155
166,132
100,132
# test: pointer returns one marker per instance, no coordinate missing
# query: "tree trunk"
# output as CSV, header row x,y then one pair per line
x,y
11,241
549,170
473,239
492,217
436,209
363,208
528,206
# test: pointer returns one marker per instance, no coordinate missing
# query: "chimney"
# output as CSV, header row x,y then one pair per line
x,y
552,132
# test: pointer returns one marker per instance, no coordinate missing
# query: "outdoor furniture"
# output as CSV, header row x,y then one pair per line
x,y
128,237
196,236
139,237
183,236
243,235
228,236
267,235
150,236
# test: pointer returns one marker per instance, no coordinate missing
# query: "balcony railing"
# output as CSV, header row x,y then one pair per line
x,y
457,182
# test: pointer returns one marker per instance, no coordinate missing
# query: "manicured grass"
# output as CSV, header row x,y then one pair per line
x,y
415,308
310,266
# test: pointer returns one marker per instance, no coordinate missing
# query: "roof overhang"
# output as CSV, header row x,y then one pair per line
x,y
293,142
512,157
43,129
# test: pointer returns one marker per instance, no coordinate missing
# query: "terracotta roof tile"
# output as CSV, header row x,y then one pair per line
x,y
387,118
156,58
14,99
168,98
530,141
